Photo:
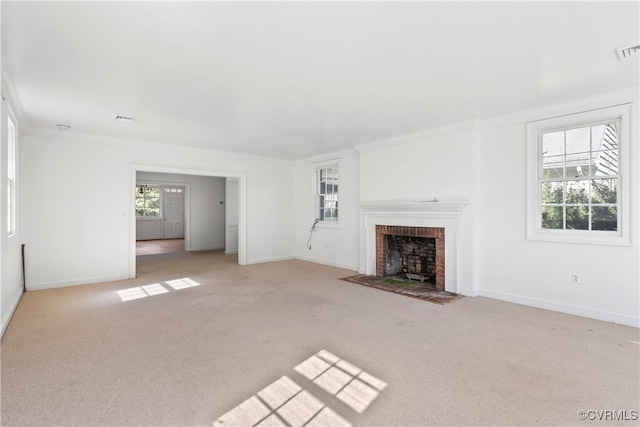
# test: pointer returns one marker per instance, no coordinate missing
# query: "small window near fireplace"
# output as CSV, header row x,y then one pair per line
x,y
327,192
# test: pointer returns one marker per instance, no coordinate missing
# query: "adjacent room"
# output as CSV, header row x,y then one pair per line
x,y
320,213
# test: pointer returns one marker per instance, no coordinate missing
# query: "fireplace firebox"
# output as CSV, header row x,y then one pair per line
x,y
418,252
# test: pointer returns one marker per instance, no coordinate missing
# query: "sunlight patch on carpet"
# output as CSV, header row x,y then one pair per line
x,y
144,291
285,403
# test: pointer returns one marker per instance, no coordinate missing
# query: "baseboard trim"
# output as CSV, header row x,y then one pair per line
x,y
6,320
329,263
273,259
468,292
562,308
79,282
226,252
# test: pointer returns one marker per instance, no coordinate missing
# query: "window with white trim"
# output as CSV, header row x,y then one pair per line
x,y
577,174
327,192
147,201
11,177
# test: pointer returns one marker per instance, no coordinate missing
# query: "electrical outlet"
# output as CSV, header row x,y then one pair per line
x,y
575,278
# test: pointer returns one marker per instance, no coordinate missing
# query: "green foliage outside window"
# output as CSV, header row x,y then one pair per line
x,y
588,202
147,201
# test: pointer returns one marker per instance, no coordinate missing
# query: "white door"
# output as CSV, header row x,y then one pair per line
x,y
173,209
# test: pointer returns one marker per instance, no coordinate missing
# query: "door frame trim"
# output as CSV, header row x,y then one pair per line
x,y
242,204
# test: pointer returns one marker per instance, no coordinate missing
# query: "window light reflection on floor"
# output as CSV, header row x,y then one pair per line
x,y
182,283
155,289
287,404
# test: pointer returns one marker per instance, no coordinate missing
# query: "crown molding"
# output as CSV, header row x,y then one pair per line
x,y
450,129
10,93
149,145
603,100
340,154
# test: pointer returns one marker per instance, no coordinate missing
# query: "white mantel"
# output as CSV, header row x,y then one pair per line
x,y
427,212
426,206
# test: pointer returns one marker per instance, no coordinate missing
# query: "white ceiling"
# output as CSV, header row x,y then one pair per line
x,y
295,79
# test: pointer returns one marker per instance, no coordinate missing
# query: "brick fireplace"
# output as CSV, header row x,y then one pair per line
x,y
428,222
418,251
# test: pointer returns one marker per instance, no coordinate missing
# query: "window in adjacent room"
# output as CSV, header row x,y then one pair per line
x,y
11,177
327,192
577,175
147,201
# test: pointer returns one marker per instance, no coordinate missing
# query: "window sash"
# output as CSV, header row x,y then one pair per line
x,y
148,203
596,207
11,178
327,190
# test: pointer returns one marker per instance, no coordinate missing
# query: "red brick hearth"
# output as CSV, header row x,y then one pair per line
x,y
436,233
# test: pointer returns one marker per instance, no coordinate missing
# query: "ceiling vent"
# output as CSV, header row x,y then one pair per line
x,y
122,118
626,52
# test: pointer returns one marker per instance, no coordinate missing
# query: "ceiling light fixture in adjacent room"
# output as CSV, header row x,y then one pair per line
x,y
63,127
626,52
122,118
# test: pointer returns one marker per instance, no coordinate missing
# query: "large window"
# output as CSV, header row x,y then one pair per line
x,y
147,201
11,178
326,183
577,163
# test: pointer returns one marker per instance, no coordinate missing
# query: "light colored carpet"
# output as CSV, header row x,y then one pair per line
x,y
195,336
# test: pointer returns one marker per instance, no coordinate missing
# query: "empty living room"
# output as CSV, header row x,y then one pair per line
x,y
320,213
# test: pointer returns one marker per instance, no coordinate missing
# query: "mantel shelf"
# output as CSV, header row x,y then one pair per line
x,y
411,206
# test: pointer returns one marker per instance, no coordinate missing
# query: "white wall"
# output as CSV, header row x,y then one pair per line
x,y
485,164
435,164
539,273
206,212
10,247
77,201
332,246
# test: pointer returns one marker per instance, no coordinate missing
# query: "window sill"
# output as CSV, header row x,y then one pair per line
x,y
589,238
329,225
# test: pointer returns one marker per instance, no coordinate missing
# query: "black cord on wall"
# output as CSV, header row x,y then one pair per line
x,y
311,230
24,279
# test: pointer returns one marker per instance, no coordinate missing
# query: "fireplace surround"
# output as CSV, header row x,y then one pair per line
x,y
441,218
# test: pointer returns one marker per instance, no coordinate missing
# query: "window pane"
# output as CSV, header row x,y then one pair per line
x,y
604,191
605,163
578,140
552,167
577,218
605,137
323,187
604,218
552,217
552,192
577,165
552,144
153,204
577,192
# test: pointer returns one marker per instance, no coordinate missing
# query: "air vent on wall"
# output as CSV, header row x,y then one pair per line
x,y
626,52
122,118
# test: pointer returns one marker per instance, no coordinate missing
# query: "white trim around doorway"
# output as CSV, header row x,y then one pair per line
x,y
241,177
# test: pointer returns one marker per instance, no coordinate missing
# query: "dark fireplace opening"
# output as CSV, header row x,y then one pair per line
x,y
414,257
414,252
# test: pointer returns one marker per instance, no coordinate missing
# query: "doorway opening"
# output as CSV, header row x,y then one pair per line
x,y
193,211
155,247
